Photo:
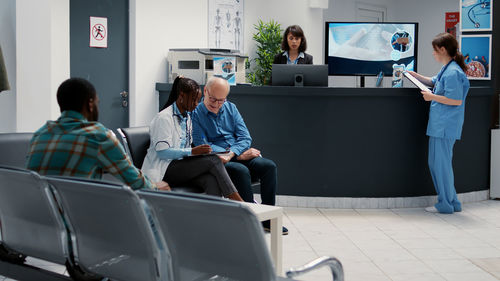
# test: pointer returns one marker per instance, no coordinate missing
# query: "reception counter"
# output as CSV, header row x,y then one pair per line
x,y
358,142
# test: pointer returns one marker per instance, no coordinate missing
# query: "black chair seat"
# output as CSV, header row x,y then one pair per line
x,y
136,142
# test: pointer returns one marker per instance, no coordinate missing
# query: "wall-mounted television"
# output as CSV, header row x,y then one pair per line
x,y
368,48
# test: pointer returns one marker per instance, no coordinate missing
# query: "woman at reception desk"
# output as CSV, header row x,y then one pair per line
x,y
294,45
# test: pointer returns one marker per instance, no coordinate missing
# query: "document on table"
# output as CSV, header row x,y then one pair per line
x,y
415,81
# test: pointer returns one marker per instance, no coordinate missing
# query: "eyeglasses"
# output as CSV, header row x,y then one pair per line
x,y
214,100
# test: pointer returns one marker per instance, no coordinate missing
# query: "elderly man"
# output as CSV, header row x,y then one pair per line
x,y
219,123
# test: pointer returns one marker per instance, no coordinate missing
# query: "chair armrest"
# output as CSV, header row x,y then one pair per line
x,y
333,263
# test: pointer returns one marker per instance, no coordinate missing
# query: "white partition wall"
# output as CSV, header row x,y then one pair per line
x,y
8,43
42,60
495,164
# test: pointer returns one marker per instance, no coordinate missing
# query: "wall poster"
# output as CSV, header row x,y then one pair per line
x,y
477,53
476,15
224,67
451,23
225,24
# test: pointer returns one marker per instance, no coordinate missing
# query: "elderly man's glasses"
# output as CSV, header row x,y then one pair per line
x,y
214,100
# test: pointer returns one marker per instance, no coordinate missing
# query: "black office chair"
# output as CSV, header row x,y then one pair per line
x,y
14,148
136,141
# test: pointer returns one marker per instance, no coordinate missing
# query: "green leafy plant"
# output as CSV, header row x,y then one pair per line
x,y
268,38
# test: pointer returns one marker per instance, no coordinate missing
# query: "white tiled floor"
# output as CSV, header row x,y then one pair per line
x,y
395,244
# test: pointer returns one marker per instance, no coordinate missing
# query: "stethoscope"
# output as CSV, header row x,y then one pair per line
x,y
485,4
440,75
188,127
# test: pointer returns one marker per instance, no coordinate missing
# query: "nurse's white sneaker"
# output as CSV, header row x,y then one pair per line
x,y
431,209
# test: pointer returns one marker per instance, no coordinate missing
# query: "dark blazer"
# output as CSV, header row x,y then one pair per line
x,y
281,59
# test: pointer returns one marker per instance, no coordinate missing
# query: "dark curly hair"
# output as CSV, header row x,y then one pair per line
x,y
296,31
74,93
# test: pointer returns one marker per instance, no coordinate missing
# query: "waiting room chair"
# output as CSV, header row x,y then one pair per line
x,y
30,225
112,231
14,148
209,236
136,141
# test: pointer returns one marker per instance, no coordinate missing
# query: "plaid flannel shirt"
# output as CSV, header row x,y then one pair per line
x,y
73,146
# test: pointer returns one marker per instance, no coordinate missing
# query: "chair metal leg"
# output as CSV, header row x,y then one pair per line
x,y
333,263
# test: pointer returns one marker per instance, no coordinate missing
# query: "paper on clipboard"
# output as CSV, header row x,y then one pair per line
x,y
415,81
222,153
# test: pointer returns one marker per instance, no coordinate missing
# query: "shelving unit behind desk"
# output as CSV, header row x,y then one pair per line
x,y
358,142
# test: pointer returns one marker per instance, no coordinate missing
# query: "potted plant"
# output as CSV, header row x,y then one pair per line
x,y
268,38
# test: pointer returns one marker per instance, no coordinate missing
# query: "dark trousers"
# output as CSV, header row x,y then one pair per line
x,y
204,171
242,173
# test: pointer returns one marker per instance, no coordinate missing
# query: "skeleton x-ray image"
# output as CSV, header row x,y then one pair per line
x,y
225,24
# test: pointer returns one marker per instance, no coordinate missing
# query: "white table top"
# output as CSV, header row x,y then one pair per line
x,y
264,212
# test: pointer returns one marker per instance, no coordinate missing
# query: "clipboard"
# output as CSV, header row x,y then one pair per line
x,y
415,81
206,154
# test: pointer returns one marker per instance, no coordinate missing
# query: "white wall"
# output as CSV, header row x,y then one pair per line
x,y
184,25
169,24
42,59
35,43
286,13
8,43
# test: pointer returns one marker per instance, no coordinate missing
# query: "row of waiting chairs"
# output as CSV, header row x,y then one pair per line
x,y
105,230
101,229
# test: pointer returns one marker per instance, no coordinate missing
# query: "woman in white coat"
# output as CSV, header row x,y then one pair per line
x,y
170,156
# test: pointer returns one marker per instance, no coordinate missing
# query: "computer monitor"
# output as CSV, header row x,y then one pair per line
x,y
300,75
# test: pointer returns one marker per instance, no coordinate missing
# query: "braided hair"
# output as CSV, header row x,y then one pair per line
x,y
186,85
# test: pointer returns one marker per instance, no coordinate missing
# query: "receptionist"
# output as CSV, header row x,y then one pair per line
x,y
294,47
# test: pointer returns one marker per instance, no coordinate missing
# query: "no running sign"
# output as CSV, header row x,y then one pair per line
x,y
98,32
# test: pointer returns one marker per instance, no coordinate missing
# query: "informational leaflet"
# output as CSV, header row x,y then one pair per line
x,y
224,67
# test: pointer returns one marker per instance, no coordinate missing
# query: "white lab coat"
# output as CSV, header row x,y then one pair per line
x,y
165,132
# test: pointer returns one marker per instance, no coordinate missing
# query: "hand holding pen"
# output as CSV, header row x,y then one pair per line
x,y
202,149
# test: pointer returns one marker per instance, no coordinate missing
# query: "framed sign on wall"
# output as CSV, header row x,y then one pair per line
x,y
225,24
477,53
476,15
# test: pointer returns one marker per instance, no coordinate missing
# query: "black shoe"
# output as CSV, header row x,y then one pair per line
x,y
267,227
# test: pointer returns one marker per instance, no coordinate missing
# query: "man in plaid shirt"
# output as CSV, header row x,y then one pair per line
x,y
77,145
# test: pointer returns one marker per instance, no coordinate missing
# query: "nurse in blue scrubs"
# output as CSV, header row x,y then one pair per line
x,y
446,117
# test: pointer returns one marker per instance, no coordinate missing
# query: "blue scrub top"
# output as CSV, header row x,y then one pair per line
x,y
445,121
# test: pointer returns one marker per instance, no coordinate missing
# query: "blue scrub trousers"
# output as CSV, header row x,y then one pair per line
x,y
440,165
